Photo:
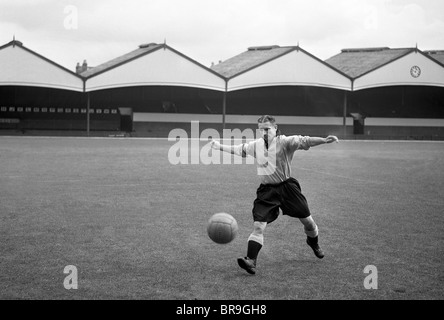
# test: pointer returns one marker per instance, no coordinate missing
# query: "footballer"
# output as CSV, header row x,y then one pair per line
x,y
278,189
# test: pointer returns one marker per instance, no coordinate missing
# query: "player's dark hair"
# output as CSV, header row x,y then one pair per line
x,y
268,118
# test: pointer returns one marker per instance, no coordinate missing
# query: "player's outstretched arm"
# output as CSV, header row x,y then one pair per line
x,y
315,141
222,147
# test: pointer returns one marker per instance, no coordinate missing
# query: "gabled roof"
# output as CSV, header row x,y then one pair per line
x,y
22,66
377,67
279,66
253,57
142,50
152,65
257,56
359,61
17,43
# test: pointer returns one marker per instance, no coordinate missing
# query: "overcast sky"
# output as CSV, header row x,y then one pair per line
x,y
69,31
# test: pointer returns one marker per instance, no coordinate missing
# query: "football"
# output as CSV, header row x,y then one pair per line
x,y
222,228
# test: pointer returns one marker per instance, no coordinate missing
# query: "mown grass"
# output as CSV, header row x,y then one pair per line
x,y
135,225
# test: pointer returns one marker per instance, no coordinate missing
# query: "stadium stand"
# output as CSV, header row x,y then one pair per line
x,y
398,93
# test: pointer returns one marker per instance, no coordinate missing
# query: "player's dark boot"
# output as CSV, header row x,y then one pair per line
x,y
247,264
313,243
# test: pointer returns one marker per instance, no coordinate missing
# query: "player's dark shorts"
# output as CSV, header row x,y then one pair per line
x,y
286,195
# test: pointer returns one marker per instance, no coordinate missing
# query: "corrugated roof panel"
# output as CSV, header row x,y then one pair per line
x,y
438,55
356,62
251,58
143,49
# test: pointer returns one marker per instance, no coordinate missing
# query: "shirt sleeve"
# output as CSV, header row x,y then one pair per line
x,y
245,149
297,142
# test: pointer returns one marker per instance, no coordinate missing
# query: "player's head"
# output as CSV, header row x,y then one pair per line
x,y
268,127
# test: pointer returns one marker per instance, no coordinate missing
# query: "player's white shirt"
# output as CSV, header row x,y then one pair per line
x,y
274,164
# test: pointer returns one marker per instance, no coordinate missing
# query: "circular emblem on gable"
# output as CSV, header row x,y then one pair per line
x,y
415,71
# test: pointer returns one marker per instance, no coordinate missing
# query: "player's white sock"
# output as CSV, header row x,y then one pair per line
x,y
259,238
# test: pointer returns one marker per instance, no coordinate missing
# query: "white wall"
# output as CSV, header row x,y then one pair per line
x,y
398,73
294,68
161,67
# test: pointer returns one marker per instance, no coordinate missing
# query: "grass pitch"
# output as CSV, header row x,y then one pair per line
x,y
134,225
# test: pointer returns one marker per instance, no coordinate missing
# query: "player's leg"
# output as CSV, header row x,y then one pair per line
x,y
265,210
255,243
311,230
295,205
256,240
310,227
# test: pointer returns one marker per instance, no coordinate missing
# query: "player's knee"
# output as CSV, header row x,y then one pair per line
x,y
259,227
309,224
311,227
